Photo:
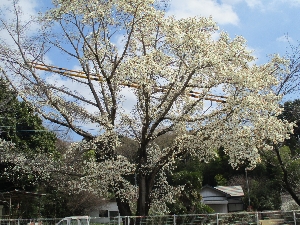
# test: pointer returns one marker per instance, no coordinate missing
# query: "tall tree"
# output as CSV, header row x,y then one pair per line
x,y
287,153
179,75
289,87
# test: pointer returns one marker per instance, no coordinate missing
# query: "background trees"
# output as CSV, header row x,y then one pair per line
x,y
289,86
189,174
23,129
23,134
286,155
178,74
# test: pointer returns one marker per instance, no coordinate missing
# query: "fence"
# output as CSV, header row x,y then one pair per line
x,y
243,218
39,221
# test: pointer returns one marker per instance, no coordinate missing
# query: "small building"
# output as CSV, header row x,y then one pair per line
x,y
223,199
107,211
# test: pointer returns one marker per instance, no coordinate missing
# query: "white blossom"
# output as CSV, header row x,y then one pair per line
x,y
164,60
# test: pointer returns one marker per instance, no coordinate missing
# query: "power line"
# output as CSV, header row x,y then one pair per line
x,y
97,77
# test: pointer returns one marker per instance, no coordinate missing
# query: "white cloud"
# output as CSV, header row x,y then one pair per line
x,y
250,3
221,12
254,3
292,2
285,39
231,2
27,9
265,5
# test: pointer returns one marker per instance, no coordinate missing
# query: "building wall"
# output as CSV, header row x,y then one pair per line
x,y
219,208
220,202
105,211
214,199
235,204
212,195
235,207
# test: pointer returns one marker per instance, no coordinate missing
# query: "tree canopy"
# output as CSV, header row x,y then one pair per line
x,y
206,91
286,155
21,134
20,126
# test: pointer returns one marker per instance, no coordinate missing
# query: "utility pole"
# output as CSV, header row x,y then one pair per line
x,y
248,188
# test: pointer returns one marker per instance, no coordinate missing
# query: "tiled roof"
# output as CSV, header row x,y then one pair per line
x,y
231,190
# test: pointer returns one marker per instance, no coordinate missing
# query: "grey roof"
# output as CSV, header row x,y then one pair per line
x,y
233,191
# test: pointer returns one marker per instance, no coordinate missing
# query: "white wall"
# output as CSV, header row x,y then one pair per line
x,y
110,206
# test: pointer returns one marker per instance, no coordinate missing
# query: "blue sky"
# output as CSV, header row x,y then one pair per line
x,y
263,23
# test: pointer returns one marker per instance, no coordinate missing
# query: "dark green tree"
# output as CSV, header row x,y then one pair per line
x,y
263,180
283,163
20,125
291,113
287,159
188,174
264,187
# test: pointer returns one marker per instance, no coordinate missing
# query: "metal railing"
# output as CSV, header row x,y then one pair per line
x,y
241,218
39,221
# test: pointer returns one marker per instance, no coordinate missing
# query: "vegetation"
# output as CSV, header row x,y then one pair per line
x,y
22,128
179,75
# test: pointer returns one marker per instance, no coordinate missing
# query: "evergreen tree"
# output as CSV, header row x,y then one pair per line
x,y
24,129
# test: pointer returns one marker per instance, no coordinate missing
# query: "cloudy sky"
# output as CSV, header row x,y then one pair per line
x,y
264,23
267,25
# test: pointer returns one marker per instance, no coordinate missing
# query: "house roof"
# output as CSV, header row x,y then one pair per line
x,y
234,191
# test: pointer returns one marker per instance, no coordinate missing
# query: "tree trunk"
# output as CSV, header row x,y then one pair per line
x,y
144,201
124,208
143,205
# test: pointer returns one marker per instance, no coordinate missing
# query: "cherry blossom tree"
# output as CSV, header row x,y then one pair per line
x,y
186,77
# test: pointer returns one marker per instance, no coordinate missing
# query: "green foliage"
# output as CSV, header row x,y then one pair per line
x,y
264,183
218,171
282,165
188,174
221,181
291,113
59,204
264,194
89,154
54,204
21,125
